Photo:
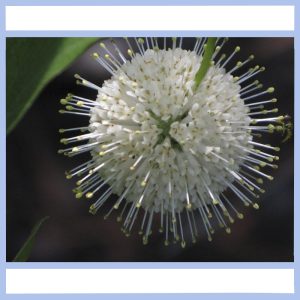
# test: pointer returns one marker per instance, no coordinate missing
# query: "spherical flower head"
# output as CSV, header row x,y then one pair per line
x,y
167,144
184,138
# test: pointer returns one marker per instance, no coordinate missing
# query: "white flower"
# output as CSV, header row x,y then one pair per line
x,y
167,146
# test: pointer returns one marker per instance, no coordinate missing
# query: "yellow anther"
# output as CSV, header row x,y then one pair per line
x,y
69,107
78,195
119,219
102,45
68,176
237,49
166,243
189,206
215,201
75,149
107,56
270,89
92,209
271,128
255,206
79,103
251,56
129,52
95,55
240,216
132,168
89,195
228,230
101,153
239,63
183,244
260,180
223,56
143,183
251,188
63,101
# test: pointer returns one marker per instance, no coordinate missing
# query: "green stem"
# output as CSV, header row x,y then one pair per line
x,y
206,61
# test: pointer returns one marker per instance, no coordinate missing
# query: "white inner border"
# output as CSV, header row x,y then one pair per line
x,y
150,18
32,281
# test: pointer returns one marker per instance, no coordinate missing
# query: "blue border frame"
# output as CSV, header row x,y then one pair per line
x,y
5,34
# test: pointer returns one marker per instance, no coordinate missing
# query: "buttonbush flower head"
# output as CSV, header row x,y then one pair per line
x,y
171,133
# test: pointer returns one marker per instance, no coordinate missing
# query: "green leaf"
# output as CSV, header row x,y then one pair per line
x,y
25,251
30,64
205,64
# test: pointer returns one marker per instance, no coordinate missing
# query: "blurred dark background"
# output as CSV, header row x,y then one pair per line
x,y
36,184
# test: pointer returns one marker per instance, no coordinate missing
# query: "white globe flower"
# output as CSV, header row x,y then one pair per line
x,y
166,142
